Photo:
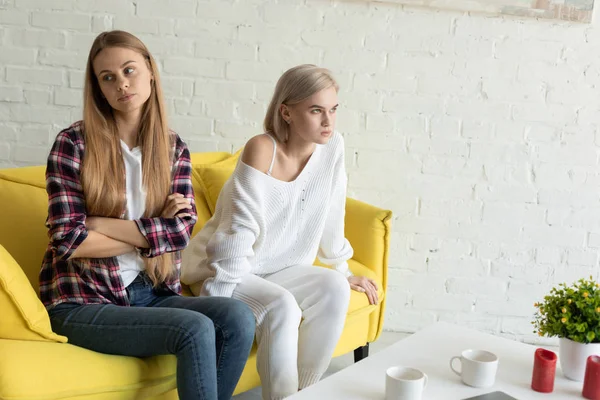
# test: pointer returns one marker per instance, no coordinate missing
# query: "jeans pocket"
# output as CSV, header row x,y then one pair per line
x,y
140,292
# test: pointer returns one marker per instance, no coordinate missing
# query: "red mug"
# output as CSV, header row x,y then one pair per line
x,y
591,382
544,370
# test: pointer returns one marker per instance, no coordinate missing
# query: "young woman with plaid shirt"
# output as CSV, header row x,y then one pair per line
x,y
121,207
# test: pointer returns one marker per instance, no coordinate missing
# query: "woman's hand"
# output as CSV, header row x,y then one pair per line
x,y
175,203
364,285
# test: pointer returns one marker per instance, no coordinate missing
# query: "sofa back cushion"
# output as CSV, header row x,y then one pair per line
x,y
24,317
202,207
23,213
212,177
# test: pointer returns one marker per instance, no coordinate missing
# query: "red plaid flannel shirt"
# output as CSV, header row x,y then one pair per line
x,y
63,280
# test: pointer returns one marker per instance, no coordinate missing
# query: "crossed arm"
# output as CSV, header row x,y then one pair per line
x,y
109,237
97,245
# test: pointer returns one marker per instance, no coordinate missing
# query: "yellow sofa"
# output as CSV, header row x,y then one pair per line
x,y
41,366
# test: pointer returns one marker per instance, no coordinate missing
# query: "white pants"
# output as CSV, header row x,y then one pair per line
x,y
300,313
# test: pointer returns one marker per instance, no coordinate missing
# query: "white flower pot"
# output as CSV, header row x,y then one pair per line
x,y
573,356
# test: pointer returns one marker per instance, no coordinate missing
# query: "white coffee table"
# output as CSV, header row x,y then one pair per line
x,y
430,350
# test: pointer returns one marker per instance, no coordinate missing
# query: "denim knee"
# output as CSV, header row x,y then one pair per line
x,y
239,318
195,328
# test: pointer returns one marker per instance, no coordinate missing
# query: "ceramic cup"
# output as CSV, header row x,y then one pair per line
x,y
478,368
404,383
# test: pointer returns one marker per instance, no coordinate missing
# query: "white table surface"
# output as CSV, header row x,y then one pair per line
x,y
430,351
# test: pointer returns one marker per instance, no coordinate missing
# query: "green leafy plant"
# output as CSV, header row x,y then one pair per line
x,y
571,312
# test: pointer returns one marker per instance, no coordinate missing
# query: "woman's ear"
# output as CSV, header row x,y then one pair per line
x,y
285,113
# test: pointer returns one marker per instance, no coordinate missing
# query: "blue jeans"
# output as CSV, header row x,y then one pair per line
x,y
210,336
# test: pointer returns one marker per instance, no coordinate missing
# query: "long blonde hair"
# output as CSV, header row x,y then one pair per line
x,y
103,170
294,86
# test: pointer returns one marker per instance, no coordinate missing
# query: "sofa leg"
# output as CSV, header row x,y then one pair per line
x,y
361,352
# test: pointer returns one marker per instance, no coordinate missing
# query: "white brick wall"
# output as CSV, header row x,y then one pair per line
x,y
480,133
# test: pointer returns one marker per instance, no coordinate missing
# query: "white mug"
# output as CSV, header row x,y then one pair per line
x,y
478,368
404,383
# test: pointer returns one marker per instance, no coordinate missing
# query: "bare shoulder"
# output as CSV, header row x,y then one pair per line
x,y
258,152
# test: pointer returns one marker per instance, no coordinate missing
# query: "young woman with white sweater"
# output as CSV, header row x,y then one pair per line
x,y
282,207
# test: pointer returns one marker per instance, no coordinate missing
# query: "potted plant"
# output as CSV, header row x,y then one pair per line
x,y
572,313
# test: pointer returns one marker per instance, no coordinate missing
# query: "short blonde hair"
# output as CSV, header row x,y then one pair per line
x,y
294,86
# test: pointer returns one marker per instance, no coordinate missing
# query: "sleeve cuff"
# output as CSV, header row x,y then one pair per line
x,y
65,249
145,252
343,269
210,288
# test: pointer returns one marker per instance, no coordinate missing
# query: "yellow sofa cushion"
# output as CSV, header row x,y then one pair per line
x,y
90,375
23,315
44,370
212,177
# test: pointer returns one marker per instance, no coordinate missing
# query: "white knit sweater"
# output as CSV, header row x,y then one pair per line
x,y
262,225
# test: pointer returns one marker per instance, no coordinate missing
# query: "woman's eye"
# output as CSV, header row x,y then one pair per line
x,y
315,111
107,78
128,70
333,110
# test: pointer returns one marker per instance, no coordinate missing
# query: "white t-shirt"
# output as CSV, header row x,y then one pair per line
x,y
131,264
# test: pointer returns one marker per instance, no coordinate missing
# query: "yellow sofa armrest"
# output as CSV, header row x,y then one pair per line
x,y
367,228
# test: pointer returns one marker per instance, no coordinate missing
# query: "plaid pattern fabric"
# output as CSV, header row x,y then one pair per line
x,y
64,280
